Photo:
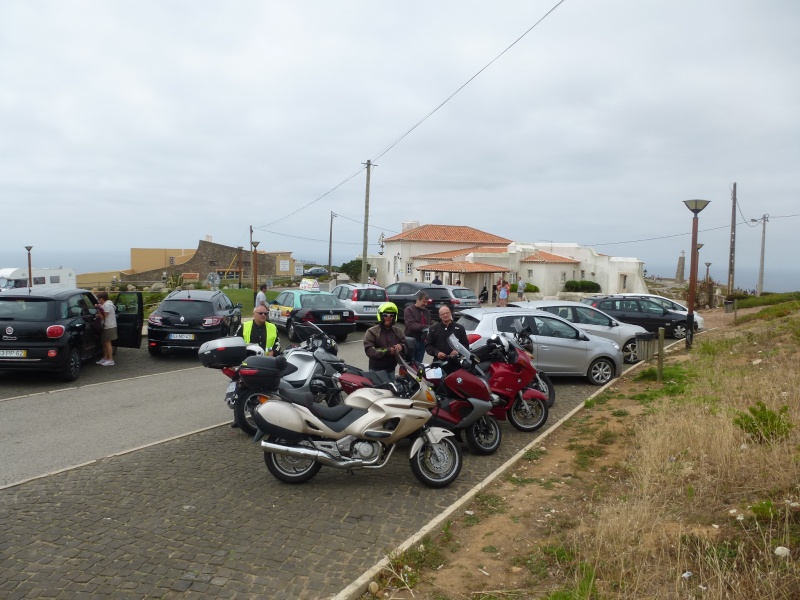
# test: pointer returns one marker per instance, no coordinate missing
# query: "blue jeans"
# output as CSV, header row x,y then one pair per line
x,y
419,353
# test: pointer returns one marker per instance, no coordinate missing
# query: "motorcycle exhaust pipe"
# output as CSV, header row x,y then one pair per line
x,y
311,454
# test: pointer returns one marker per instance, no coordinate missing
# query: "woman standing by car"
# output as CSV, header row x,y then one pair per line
x,y
109,333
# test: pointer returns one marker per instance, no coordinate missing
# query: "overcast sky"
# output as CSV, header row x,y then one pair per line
x,y
153,124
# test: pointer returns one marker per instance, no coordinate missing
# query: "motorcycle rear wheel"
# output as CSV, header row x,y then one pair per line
x,y
528,415
243,408
437,465
546,388
288,468
484,435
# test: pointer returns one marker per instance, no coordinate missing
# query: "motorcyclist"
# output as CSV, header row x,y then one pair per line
x,y
384,341
417,319
438,346
261,332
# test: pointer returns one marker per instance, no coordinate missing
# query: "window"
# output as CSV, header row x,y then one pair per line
x,y
651,307
55,279
427,276
408,268
554,328
583,274
591,317
530,274
39,280
563,277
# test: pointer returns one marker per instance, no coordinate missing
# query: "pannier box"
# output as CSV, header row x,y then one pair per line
x,y
223,352
262,372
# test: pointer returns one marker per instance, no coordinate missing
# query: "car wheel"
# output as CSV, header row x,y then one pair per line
x,y
72,370
601,371
291,333
679,331
629,351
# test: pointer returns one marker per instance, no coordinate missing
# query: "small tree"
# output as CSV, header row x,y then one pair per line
x,y
583,285
353,269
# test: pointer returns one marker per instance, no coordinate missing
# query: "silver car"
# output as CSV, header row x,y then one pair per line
x,y
593,321
363,299
559,348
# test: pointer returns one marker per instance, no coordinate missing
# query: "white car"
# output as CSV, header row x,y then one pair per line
x,y
593,321
559,348
699,322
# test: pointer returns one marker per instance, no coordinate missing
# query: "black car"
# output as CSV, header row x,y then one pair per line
x,y
641,311
323,309
456,297
50,329
188,318
316,271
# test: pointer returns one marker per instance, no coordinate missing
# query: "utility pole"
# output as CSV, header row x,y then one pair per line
x,y
763,220
732,258
366,228
330,246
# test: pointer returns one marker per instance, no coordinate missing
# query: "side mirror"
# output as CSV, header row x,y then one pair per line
x,y
238,305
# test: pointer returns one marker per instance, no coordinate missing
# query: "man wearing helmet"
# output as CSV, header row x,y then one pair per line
x,y
384,341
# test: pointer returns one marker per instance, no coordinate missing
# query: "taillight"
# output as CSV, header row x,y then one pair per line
x,y
247,372
211,321
355,296
455,301
154,319
350,318
307,318
472,338
229,371
55,331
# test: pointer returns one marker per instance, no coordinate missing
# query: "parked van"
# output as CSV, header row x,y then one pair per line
x,y
11,278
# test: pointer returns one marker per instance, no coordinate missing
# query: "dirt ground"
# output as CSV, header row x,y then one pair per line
x,y
493,546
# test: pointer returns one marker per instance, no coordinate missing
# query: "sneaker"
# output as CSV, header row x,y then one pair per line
x,y
102,361
108,363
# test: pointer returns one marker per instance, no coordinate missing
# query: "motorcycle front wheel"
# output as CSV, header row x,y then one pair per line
x,y
243,408
437,465
528,415
483,436
546,387
290,469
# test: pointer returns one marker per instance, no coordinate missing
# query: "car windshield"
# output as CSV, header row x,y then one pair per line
x,y
469,294
22,309
320,301
187,308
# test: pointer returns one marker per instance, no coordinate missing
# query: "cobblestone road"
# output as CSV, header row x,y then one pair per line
x,y
200,517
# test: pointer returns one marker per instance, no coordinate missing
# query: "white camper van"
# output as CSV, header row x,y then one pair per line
x,y
18,278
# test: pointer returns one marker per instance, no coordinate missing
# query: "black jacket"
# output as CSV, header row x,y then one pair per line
x,y
438,334
416,319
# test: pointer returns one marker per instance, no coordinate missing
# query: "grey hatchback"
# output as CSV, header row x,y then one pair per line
x,y
363,299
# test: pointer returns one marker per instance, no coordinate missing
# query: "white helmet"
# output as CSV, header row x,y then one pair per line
x,y
254,350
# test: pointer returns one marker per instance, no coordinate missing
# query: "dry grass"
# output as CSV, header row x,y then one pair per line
x,y
680,503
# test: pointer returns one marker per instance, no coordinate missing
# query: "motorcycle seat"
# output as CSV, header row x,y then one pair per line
x,y
337,417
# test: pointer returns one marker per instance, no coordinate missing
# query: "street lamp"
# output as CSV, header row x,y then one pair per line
x,y
30,272
240,266
708,265
696,206
255,270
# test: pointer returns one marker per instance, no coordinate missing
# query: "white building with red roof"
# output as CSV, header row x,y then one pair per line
x,y
477,258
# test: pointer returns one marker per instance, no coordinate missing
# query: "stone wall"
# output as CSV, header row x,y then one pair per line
x,y
210,257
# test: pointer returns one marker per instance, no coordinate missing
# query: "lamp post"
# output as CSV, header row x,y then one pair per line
x,y
255,270
240,266
696,206
708,265
763,220
30,271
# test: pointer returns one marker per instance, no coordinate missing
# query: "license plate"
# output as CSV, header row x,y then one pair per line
x,y
13,353
331,317
370,308
181,336
231,386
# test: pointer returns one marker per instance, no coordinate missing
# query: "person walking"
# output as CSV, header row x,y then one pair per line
x,y
109,333
502,293
520,289
384,341
417,318
438,344
261,297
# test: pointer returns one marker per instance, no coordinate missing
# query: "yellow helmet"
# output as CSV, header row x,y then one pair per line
x,y
387,308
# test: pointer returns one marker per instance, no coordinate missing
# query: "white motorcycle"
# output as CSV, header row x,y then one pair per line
x,y
362,433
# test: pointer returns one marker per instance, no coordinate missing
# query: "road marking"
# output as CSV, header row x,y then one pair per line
x,y
88,385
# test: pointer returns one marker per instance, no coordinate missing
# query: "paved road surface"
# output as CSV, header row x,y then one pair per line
x,y
200,517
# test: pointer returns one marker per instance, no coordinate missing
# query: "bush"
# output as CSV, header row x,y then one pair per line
x,y
764,425
582,286
529,288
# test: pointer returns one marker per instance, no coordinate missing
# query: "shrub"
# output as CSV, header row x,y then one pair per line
x,y
582,286
529,288
764,424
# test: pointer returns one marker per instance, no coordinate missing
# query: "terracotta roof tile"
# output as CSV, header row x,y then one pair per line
x,y
463,252
463,267
545,257
448,233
